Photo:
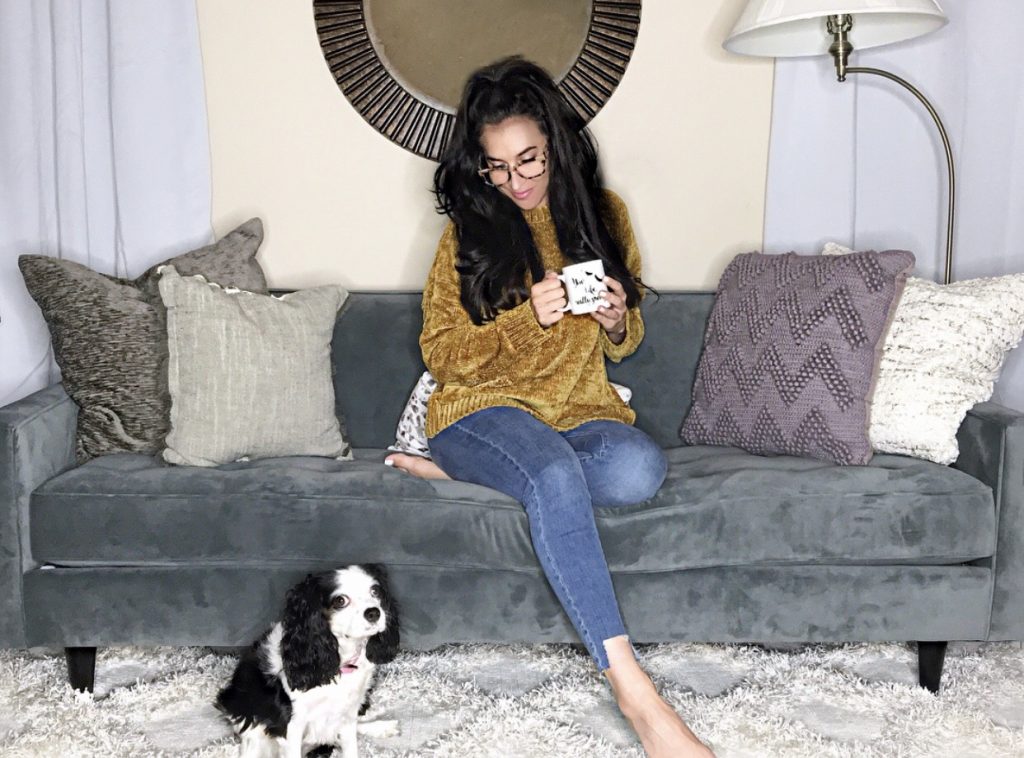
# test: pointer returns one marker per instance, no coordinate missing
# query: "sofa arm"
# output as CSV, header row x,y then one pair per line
x,y
37,442
991,442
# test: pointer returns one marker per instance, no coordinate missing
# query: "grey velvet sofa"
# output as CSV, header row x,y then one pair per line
x,y
734,548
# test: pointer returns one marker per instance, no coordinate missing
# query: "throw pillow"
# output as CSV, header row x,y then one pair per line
x,y
790,354
411,435
110,341
249,374
943,354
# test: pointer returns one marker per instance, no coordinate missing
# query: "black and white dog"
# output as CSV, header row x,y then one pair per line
x,y
304,684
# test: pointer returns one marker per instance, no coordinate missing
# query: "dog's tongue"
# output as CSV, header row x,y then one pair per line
x,y
349,666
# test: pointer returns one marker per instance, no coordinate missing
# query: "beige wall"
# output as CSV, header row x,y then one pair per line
x,y
684,140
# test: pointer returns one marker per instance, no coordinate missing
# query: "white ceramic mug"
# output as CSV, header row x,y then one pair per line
x,y
584,284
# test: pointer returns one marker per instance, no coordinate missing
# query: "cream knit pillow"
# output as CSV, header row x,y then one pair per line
x,y
249,375
942,355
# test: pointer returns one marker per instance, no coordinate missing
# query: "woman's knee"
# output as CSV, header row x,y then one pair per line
x,y
560,478
646,469
635,469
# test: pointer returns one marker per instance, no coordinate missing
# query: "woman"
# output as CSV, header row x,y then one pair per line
x,y
523,403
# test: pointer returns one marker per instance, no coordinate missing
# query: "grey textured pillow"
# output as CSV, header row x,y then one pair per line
x,y
249,374
791,353
110,341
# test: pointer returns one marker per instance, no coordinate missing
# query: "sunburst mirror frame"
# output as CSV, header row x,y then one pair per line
x,y
424,129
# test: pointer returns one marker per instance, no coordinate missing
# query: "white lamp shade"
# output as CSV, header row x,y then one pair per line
x,y
783,28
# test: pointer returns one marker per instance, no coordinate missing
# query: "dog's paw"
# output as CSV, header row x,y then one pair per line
x,y
378,728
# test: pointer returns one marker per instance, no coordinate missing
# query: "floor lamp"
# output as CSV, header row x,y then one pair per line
x,y
785,28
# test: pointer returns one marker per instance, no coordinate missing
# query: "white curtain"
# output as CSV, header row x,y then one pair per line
x,y
104,154
861,162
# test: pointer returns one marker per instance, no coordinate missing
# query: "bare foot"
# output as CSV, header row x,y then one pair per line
x,y
424,468
660,729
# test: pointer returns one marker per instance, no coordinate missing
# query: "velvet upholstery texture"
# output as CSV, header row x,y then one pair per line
x,y
37,442
736,547
132,509
991,441
232,605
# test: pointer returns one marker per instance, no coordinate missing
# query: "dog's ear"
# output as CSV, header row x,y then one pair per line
x,y
378,572
383,647
308,648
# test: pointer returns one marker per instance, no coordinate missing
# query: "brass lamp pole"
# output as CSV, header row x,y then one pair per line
x,y
839,26
793,28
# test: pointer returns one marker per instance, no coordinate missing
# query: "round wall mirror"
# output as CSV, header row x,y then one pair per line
x,y
402,63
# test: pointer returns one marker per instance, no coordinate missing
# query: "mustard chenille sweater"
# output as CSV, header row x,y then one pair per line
x,y
555,374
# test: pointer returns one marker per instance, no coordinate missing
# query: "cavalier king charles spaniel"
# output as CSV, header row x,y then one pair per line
x,y
303,685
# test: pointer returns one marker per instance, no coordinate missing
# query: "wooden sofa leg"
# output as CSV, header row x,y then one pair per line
x,y
930,657
81,667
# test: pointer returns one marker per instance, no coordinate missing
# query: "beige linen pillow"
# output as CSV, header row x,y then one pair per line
x,y
249,375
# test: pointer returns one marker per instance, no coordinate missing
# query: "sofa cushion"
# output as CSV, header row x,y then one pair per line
x,y
718,507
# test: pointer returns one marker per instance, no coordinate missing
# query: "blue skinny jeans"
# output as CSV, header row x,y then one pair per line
x,y
560,477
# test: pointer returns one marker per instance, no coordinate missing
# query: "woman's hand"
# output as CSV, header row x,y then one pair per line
x,y
612,315
547,297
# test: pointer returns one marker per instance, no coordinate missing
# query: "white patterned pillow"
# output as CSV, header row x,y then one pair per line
x,y
942,355
411,436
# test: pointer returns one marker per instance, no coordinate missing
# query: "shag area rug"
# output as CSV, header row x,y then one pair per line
x,y
469,701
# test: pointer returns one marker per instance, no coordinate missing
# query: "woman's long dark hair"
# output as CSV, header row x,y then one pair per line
x,y
495,244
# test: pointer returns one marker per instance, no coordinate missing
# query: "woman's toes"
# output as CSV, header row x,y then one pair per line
x,y
415,465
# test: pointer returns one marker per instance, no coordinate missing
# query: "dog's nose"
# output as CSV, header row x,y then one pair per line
x,y
372,614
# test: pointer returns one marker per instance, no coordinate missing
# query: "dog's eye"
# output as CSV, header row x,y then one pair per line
x,y
339,602
375,590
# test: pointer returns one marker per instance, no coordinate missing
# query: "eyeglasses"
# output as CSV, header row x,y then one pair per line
x,y
528,168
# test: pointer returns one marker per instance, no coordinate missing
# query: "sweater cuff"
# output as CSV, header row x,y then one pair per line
x,y
629,344
521,328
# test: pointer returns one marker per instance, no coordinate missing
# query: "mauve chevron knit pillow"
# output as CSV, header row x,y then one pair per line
x,y
791,352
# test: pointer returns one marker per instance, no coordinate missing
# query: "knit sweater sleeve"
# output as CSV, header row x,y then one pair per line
x,y
617,218
457,351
